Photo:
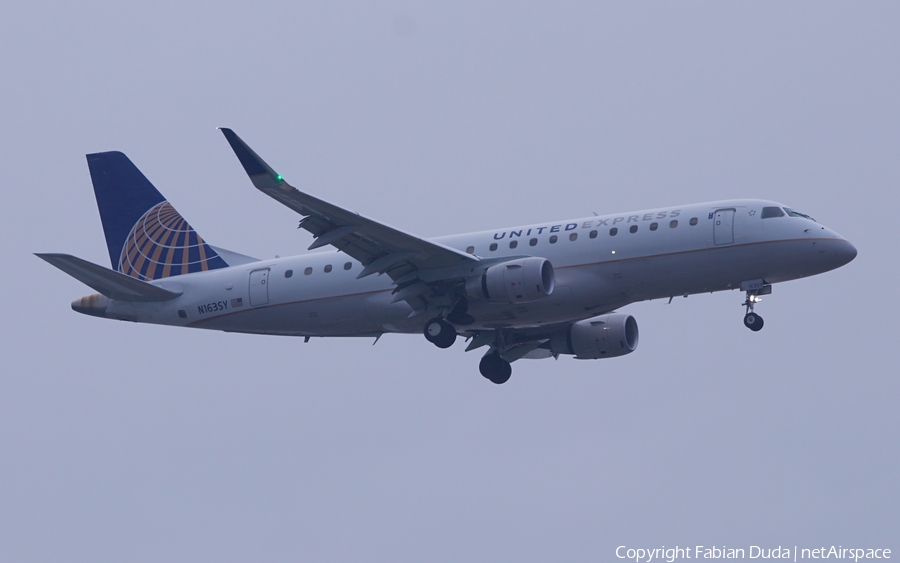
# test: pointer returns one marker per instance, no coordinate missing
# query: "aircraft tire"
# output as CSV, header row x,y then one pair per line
x,y
440,333
753,321
495,369
504,376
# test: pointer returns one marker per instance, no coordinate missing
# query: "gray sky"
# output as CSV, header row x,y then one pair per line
x,y
141,443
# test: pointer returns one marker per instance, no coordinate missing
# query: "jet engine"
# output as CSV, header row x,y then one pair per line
x,y
515,281
605,336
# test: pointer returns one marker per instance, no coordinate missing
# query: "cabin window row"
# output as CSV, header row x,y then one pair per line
x,y
515,243
574,236
308,271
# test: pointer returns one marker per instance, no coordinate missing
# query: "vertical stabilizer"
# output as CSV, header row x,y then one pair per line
x,y
146,237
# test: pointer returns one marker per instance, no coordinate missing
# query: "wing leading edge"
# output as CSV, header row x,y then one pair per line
x,y
379,247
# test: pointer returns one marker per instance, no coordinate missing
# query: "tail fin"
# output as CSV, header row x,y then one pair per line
x,y
147,239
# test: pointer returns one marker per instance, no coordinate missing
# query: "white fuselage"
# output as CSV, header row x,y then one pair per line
x,y
714,247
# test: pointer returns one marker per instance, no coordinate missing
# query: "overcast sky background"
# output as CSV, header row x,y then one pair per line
x,y
133,442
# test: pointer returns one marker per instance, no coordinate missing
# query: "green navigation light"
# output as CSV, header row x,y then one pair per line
x,y
279,177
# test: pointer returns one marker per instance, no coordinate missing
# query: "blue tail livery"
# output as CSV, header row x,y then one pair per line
x,y
146,237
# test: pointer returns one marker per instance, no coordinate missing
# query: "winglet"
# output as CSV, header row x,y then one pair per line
x,y
260,173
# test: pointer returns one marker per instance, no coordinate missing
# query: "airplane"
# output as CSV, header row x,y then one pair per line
x,y
532,291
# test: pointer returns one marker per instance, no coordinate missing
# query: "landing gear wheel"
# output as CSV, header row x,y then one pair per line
x,y
440,333
753,321
494,368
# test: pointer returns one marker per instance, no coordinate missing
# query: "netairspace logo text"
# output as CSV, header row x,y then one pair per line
x,y
795,553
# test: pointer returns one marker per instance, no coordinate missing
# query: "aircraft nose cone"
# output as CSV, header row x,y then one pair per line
x,y
845,252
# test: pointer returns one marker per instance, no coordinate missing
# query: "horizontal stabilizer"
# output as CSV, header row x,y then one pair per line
x,y
112,284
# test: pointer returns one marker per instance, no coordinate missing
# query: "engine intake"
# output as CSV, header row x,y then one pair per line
x,y
515,281
605,336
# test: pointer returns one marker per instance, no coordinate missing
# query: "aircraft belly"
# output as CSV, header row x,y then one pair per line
x,y
336,316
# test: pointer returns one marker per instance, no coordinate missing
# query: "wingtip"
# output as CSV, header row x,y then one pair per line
x,y
252,163
231,136
53,257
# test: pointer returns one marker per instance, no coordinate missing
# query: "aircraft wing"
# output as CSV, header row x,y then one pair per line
x,y
379,247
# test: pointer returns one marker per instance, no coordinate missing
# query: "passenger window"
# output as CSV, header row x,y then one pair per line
x,y
347,265
769,212
513,243
593,234
307,271
327,268
553,239
573,236
633,229
532,242
673,223
614,231
654,226
288,273
693,221
470,250
493,246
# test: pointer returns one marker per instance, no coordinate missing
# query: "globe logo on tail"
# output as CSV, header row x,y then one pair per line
x,y
162,244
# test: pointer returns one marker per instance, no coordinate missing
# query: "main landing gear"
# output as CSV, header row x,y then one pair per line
x,y
751,320
494,368
440,333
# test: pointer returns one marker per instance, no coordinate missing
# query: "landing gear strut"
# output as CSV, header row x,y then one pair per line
x,y
494,368
751,320
440,333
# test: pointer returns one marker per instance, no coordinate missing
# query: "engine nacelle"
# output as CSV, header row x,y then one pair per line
x,y
515,281
606,336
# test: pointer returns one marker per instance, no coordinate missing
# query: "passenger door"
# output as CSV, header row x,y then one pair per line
x,y
723,228
259,287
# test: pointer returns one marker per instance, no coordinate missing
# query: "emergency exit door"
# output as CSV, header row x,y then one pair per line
x,y
723,228
259,287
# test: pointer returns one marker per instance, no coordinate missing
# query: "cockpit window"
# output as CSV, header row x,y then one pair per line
x,y
792,213
769,212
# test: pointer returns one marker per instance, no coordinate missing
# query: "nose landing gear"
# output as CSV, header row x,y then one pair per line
x,y
751,320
